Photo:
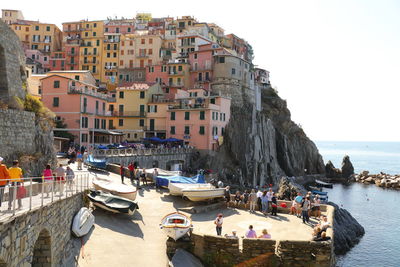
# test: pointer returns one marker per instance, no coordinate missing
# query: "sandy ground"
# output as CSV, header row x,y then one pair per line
x,y
121,240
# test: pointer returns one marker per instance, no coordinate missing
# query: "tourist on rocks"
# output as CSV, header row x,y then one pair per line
x,y
245,198
293,208
316,207
299,200
122,172
48,179
227,196
264,203
60,178
269,196
251,233
143,176
274,205
265,234
316,233
155,173
4,176
16,181
218,223
323,237
70,175
324,224
252,200
233,236
237,198
131,168
306,205
259,195
79,159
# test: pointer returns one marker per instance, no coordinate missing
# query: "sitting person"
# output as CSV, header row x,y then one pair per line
x,y
316,233
251,233
324,224
237,198
233,236
323,237
265,234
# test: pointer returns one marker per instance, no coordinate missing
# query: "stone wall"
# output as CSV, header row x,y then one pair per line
x,y
40,237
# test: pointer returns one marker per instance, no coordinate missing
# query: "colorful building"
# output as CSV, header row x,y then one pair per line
x,y
57,61
147,50
71,43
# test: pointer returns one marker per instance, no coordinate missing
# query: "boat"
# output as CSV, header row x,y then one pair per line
x,y
202,194
112,203
317,192
83,222
323,184
96,163
117,189
150,173
176,225
315,188
175,189
163,181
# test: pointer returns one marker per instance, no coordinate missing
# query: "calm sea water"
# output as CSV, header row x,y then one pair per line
x,y
374,208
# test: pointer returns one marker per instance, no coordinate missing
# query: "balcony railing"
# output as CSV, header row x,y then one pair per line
x,y
187,106
205,80
172,73
90,53
154,129
111,40
176,84
110,67
141,55
74,90
128,113
86,45
138,152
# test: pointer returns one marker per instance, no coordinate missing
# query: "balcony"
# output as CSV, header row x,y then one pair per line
x,y
90,53
110,67
86,45
178,85
128,113
176,73
187,106
206,80
75,90
142,55
111,40
154,129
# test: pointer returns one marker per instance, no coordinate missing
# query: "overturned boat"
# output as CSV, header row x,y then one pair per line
x,y
112,203
83,222
203,194
122,190
176,225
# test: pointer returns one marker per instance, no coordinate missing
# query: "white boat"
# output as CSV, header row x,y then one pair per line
x,y
175,189
176,225
121,190
202,194
83,222
150,172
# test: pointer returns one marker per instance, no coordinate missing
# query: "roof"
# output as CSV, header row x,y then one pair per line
x,y
81,82
69,71
134,86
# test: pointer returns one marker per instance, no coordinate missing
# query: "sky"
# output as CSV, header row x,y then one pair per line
x,y
337,63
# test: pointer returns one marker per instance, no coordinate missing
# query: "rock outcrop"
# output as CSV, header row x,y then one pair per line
x,y
347,167
331,171
381,179
347,230
340,175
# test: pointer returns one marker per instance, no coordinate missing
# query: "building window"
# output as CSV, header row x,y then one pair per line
x,y
187,115
48,28
201,130
56,102
222,130
94,34
150,40
77,77
224,117
106,29
95,25
187,130
202,115
121,122
212,100
141,123
142,94
172,116
172,130
56,84
221,60
111,124
36,28
180,68
143,41
129,29
233,71
97,42
121,94
220,116
195,56
84,138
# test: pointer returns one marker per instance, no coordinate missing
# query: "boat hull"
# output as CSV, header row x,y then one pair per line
x,y
203,194
176,233
83,222
176,225
112,203
176,189
102,187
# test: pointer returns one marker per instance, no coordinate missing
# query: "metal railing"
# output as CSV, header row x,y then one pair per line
x,y
140,152
36,192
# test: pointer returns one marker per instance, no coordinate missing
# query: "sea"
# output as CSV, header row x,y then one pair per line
x,y
376,209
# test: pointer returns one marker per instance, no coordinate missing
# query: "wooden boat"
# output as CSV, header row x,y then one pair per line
x,y
83,222
323,184
202,194
96,163
117,189
175,189
112,203
176,225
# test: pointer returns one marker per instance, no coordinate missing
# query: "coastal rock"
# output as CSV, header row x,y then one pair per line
x,y
364,173
369,180
331,171
347,230
287,190
347,167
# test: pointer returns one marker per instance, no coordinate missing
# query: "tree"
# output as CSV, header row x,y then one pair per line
x,y
60,124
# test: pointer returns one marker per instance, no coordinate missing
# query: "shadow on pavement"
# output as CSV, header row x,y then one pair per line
x,y
211,215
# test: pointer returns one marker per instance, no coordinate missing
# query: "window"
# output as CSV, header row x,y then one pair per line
x,y
103,106
151,41
150,51
56,102
201,130
48,28
180,68
224,117
96,123
111,124
121,94
129,29
121,122
94,34
202,115
195,56
84,138
141,122
56,84
106,29
172,130
77,77
108,54
222,130
212,100
85,122
187,115
115,46
95,25
221,60
121,108
97,42
187,130
36,28
172,116
114,54
143,41
142,94
213,115
215,130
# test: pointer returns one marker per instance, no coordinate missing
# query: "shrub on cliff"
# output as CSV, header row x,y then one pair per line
x,y
34,105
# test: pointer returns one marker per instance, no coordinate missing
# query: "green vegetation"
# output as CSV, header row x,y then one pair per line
x,y
60,124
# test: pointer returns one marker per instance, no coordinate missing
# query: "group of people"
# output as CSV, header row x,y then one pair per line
x,y
265,201
58,177
136,173
304,207
77,155
319,231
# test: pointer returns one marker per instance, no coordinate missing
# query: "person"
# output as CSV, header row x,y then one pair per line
x,y
324,224
316,207
269,196
264,203
131,168
251,233
70,175
15,178
245,198
4,176
233,236
227,195
293,208
48,179
60,178
218,223
316,232
253,200
143,176
155,174
299,200
305,206
259,195
122,173
323,237
265,234
220,184
79,159
237,198
274,205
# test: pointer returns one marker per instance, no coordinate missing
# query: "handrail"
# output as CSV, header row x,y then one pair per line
x,y
138,152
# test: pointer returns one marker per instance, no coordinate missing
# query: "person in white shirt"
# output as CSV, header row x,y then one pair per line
x,y
218,223
269,196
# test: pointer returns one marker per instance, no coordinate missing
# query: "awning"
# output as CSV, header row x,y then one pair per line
x,y
106,132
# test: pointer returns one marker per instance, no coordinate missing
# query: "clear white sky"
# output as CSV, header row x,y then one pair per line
x,y
336,62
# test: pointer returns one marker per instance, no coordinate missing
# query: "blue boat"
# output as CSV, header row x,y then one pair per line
x,y
96,163
163,181
316,192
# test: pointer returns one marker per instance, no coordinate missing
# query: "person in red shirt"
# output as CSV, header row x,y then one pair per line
x,y
131,168
122,172
4,176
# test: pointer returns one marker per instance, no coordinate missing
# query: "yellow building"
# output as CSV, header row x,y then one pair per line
x,y
156,116
147,50
33,83
110,58
10,16
178,74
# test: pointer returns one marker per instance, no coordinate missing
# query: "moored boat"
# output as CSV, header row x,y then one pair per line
x,y
117,189
164,181
83,222
112,203
96,163
175,189
202,194
176,225
323,184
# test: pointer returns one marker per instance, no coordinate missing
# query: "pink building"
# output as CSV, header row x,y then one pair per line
x,y
157,74
39,57
199,119
73,97
57,61
120,26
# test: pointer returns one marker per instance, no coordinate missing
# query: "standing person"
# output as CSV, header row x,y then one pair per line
x,y
259,195
218,223
237,198
245,198
317,207
4,176
122,172
48,179
227,195
253,200
264,203
70,178
305,208
299,200
155,174
251,233
293,208
274,205
60,178
131,168
79,159
15,178
269,196
143,175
